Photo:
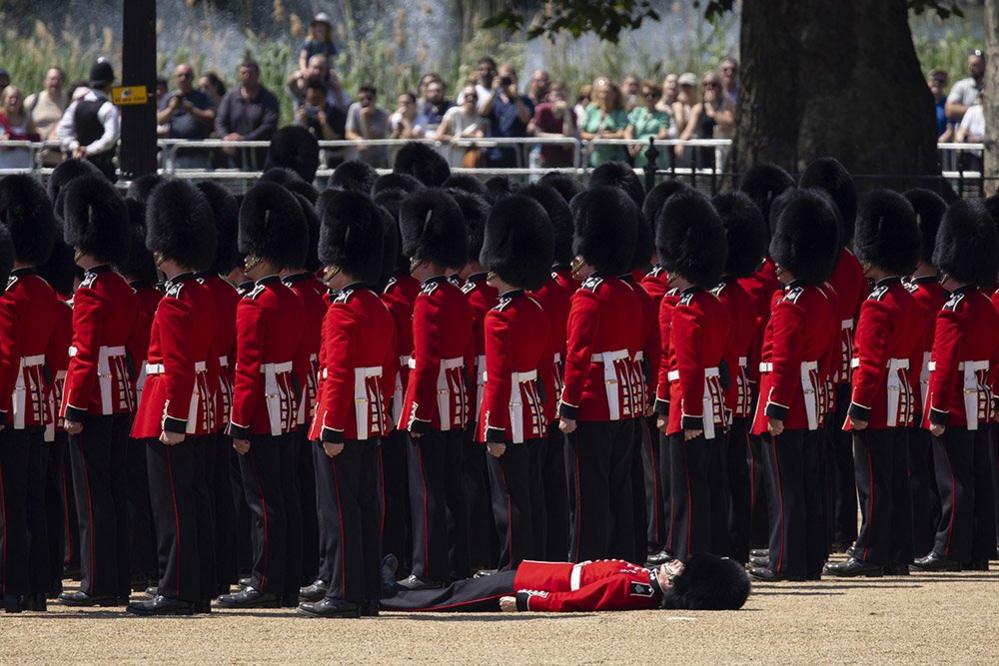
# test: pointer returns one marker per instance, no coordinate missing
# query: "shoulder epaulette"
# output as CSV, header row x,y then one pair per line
x,y
911,286
673,291
468,287
719,289
391,283
878,293
953,302
11,281
655,272
592,283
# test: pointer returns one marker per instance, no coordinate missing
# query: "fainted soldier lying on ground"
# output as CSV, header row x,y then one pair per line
x,y
705,582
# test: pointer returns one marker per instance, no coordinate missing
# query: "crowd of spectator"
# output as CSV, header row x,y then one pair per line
x,y
492,104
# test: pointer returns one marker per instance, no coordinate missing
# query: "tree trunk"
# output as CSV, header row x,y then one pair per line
x,y
827,77
991,105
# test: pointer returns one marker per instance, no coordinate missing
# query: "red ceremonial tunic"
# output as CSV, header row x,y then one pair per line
x,y
930,296
62,338
481,298
226,299
149,297
555,297
313,295
851,288
399,297
742,345
646,356
601,585
655,283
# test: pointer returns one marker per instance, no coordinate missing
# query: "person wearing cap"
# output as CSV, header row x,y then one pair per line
x,y
31,315
99,394
517,250
600,394
882,402
435,408
690,397
319,41
796,345
91,126
959,403
273,235
176,417
555,297
359,365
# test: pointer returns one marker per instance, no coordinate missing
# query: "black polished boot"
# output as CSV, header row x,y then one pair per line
x,y
249,597
160,605
332,608
313,592
79,598
853,568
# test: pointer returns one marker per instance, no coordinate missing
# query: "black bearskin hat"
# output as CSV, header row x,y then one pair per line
x,y
180,225
26,210
645,245
6,257
67,171
690,238
60,270
806,237
140,188
354,175
559,215
500,186
272,226
312,263
992,205
745,230
657,197
390,249
391,201
140,264
930,208
887,235
225,211
423,162
290,181
708,582
605,225
466,182
295,148
518,244
967,247
95,218
351,235
563,183
397,181
475,210
433,228
828,174
619,174
763,183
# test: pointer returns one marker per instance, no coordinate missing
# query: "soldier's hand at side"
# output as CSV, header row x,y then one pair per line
x,y
242,446
568,426
508,604
332,450
691,434
937,430
72,427
775,426
171,438
496,449
858,425
79,152
662,424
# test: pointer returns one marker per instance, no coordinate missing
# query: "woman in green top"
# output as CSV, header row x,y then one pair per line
x,y
647,121
605,118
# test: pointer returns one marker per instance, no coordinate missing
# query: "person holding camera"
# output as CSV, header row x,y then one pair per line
x,y
188,114
508,112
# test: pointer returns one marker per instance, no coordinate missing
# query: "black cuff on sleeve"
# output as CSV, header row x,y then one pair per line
x,y
522,598
858,413
238,432
75,415
170,424
662,407
419,427
495,435
937,417
775,411
692,423
331,436
568,411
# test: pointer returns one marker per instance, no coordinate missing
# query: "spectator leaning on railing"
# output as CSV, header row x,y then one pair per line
x,y
463,122
46,108
553,117
434,106
605,118
964,94
91,125
937,82
508,112
248,113
15,125
187,113
403,122
647,121
972,130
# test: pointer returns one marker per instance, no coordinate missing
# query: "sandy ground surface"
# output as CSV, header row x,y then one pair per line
x,y
923,618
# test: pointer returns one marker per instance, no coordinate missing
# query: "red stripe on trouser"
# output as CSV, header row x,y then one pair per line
x,y
176,513
265,546
343,544
6,527
92,574
426,512
870,498
780,503
953,499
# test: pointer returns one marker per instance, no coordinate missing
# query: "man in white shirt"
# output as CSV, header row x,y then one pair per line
x,y
46,108
91,126
965,92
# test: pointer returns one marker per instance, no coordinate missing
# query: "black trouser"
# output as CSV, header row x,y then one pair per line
x,y
513,503
739,490
306,470
538,452
141,533
983,541
182,517
100,481
759,518
967,529
472,595
226,537
845,516
784,459
923,491
437,503
24,548
814,458
263,486
482,542
699,504
874,455
994,466
292,559
350,509
396,534
554,481
652,473
326,544
55,508
599,464
639,499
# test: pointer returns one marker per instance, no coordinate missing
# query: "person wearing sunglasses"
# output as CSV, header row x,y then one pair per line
x,y
647,121
711,118
965,92
462,122
189,114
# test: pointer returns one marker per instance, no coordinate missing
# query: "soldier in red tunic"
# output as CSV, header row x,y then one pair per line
x,y
882,403
176,417
273,235
99,394
11,601
555,296
435,408
796,339
28,327
924,285
959,403
359,364
747,233
517,251
600,395
704,582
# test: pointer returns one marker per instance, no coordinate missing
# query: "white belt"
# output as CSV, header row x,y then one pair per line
x,y
480,378
406,361
159,369
445,390
766,367
363,398
707,401
810,394
976,365
223,361
32,361
743,362
517,379
846,324
611,382
640,355
893,363
558,357
276,368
